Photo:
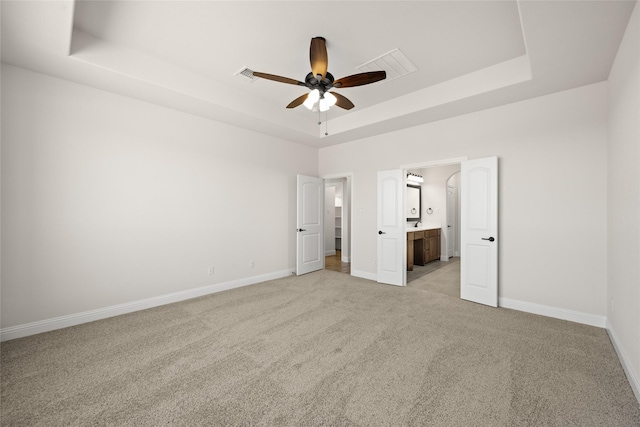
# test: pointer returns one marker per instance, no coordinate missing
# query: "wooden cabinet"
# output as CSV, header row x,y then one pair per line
x,y
418,248
432,245
410,251
423,246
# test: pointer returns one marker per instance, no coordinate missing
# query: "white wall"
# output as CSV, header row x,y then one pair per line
x,y
108,200
434,193
624,201
434,196
552,154
455,237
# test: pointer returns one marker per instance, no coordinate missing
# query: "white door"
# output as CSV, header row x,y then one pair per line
x,y
391,234
479,231
309,230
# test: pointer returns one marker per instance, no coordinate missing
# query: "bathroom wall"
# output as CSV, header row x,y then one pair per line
x,y
434,193
454,239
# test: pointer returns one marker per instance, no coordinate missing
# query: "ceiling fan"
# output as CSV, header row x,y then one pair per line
x,y
320,81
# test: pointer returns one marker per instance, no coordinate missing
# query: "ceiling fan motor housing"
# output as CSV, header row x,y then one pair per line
x,y
322,85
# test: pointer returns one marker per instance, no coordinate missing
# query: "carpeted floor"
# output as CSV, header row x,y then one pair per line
x,y
320,349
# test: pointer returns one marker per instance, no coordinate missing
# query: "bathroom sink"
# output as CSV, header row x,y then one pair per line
x,y
424,227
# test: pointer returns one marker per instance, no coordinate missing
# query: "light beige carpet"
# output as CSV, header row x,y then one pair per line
x,y
321,349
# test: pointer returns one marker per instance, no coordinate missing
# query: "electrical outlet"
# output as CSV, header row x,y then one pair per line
x,y
252,264
210,271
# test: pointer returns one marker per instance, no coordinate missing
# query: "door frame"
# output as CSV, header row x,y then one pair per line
x,y
436,163
348,183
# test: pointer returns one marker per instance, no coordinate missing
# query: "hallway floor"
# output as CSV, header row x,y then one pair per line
x,y
334,263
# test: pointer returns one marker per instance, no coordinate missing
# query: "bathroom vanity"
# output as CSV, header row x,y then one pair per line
x,y
423,245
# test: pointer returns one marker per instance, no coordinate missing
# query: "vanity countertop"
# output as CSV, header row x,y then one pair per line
x,y
424,227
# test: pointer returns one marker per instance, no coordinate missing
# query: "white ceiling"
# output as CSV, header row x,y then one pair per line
x,y
470,55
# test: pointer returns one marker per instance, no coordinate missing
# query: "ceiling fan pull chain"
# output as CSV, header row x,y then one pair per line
x,y
319,117
326,123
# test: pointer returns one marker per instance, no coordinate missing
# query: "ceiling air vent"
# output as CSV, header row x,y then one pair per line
x,y
247,74
394,62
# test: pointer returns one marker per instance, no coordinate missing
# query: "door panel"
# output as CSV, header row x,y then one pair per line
x,y
477,266
310,252
478,183
389,250
391,234
309,228
479,231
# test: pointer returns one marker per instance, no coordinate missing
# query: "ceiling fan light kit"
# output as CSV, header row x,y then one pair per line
x,y
327,100
320,81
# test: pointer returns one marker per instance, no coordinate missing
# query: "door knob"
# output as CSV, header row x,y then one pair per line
x,y
301,229
491,239
381,232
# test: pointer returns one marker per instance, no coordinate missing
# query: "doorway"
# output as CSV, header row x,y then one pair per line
x,y
479,238
439,213
337,223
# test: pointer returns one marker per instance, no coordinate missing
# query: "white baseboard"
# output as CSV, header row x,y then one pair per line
x,y
557,313
346,259
329,253
365,275
47,325
632,375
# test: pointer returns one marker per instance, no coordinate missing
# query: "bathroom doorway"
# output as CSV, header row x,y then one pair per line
x,y
399,243
440,214
337,223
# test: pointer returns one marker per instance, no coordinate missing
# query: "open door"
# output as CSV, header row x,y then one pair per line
x,y
310,237
479,231
391,235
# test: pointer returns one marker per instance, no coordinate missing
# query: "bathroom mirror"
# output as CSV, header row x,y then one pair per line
x,y
413,205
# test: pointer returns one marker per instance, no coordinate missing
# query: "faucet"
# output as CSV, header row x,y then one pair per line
x,y
417,224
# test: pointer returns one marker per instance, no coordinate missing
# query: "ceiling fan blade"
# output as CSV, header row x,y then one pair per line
x,y
342,101
278,78
319,58
360,79
298,101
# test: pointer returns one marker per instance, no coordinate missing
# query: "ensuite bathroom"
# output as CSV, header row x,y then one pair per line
x,y
432,227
